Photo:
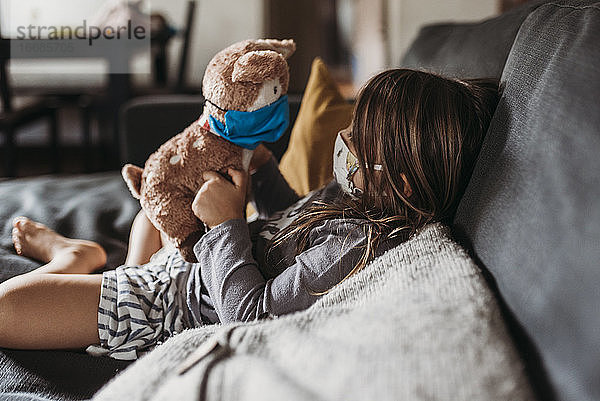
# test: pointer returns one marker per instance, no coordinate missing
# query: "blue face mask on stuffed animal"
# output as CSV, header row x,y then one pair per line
x,y
249,128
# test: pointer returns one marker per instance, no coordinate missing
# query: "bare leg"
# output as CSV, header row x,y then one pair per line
x,y
49,311
61,254
144,241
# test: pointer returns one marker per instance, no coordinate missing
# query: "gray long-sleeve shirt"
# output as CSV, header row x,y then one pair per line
x,y
233,281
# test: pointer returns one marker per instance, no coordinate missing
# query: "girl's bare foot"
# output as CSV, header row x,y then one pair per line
x,y
37,241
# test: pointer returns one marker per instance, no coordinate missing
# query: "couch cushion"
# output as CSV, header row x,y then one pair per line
x,y
467,50
532,208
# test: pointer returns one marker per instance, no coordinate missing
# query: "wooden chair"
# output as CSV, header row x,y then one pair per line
x,y
14,116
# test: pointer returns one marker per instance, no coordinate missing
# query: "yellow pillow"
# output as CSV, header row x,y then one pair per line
x,y
307,163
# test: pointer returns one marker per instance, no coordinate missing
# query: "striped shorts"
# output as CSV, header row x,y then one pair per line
x,y
141,306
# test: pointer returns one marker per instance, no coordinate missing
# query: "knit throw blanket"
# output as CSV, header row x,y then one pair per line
x,y
418,323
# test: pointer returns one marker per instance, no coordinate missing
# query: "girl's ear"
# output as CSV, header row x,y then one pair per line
x,y
406,188
133,177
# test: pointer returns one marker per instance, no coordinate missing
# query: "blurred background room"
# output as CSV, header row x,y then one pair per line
x,y
60,112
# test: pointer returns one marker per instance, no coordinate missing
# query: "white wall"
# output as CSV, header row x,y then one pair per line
x,y
368,39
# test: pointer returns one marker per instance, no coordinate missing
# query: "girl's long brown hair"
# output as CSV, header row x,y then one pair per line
x,y
415,123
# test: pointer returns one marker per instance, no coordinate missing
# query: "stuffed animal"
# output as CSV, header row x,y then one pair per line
x,y
245,88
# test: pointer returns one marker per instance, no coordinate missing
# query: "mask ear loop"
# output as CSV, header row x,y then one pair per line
x,y
220,108
353,169
355,190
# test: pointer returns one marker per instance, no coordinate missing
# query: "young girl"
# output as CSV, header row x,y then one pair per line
x,y
403,163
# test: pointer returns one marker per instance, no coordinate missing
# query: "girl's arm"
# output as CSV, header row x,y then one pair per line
x,y
228,270
238,290
144,240
270,191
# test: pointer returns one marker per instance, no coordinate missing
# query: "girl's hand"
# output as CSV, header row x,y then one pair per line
x,y
218,200
260,156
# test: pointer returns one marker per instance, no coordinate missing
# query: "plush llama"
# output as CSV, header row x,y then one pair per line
x,y
245,88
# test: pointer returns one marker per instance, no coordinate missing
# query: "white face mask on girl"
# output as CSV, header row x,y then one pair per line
x,y
345,165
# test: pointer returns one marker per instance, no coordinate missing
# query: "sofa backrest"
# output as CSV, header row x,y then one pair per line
x,y
145,123
532,209
531,213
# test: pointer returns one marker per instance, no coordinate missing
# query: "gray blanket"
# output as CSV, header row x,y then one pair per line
x,y
419,323
97,207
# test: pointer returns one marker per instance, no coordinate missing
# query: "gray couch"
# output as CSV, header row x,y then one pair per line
x,y
530,218
531,213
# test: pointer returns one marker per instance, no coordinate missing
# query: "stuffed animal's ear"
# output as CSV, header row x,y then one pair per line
x,y
285,47
259,66
133,177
